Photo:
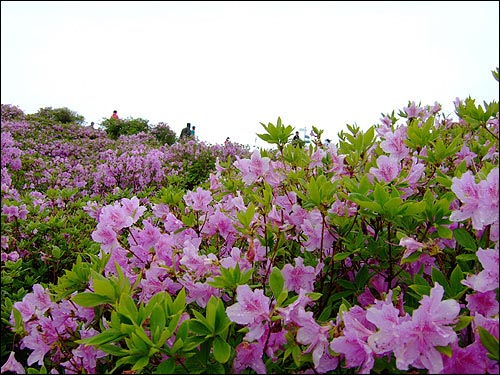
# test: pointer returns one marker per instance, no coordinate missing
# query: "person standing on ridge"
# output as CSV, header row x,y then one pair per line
x,y
115,115
186,132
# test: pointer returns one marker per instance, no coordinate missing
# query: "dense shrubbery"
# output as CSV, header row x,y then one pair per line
x,y
378,254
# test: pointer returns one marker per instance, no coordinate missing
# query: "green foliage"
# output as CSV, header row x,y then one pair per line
x,y
58,115
278,134
129,126
164,134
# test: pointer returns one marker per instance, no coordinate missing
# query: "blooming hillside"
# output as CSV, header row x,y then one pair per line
x,y
378,254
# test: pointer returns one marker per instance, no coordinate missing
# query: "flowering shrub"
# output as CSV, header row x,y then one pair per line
x,y
379,254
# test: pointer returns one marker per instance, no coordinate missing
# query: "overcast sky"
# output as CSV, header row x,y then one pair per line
x,y
227,66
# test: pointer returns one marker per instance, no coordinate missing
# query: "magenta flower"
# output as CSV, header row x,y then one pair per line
x,y
13,365
252,309
483,303
429,327
198,200
465,154
388,168
411,246
488,278
353,343
479,201
312,334
394,143
299,276
249,355
469,360
253,168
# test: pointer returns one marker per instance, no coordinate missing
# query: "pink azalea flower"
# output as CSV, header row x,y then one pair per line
x,y
353,343
252,309
479,201
483,303
253,168
35,303
290,313
218,222
106,236
429,327
317,238
115,217
388,168
469,360
465,154
132,208
13,365
394,143
249,355
198,200
299,276
411,246
312,334
488,278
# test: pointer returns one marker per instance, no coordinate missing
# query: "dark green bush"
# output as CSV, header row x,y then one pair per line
x,y
164,134
129,126
60,115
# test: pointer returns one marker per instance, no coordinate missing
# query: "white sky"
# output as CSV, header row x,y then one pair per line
x,y
227,66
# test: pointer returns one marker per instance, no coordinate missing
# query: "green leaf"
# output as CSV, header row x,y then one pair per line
x,y
199,328
88,299
104,288
490,342
157,322
127,307
456,278
222,350
444,232
141,363
465,239
438,277
463,322
276,281
166,367
446,350
102,338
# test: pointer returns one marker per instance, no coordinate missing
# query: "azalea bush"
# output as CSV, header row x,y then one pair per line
x,y
376,254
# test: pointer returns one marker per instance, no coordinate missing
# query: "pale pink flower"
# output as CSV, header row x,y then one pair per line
x,y
388,168
394,143
198,200
253,168
13,365
411,246
252,309
312,334
488,278
429,327
249,355
299,276
353,343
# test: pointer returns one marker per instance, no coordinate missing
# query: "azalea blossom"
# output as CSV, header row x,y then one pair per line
x,y
388,168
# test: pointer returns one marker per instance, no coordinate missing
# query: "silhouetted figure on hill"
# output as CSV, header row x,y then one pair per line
x,y
186,132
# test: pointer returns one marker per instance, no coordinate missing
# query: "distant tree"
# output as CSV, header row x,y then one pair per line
x,y
129,126
62,115
164,134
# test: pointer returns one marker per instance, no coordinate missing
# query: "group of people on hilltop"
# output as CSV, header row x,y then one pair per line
x,y
188,131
